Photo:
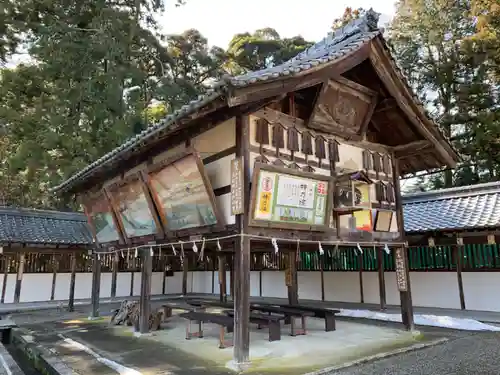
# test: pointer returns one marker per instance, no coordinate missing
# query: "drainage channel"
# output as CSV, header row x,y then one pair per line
x,y
21,360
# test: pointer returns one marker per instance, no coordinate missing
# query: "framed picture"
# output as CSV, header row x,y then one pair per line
x,y
134,207
383,220
290,199
183,194
101,219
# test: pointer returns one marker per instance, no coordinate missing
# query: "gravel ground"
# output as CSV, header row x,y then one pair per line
x,y
464,354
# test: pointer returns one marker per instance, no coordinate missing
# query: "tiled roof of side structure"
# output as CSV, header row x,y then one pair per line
x,y
336,45
467,207
28,226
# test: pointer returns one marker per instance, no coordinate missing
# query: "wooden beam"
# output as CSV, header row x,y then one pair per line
x,y
310,77
291,278
405,296
55,264
381,278
145,299
354,86
458,251
185,267
96,285
401,93
242,250
6,259
387,104
361,289
222,277
19,278
273,116
71,302
412,148
368,117
114,273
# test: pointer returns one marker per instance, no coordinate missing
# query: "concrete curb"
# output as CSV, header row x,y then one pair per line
x,y
42,359
379,356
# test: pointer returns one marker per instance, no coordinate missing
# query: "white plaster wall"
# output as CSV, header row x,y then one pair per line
x,y
157,283
391,289
83,285
254,283
481,290
371,292
217,285
342,286
174,284
309,285
36,287
123,284
105,288
435,289
224,205
137,283
61,291
11,285
273,284
200,282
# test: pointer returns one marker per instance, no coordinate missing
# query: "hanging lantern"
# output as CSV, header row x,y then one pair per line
x,y
491,239
432,243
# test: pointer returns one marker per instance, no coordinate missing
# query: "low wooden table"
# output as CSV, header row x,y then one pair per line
x,y
222,321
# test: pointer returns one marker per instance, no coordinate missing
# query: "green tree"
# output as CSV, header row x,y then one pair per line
x,y
431,41
264,48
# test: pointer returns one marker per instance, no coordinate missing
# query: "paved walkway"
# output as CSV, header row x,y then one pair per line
x,y
472,354
482,316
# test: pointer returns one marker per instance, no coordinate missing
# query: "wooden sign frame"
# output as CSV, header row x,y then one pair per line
x,y
86,200
154,168
291,172
135,177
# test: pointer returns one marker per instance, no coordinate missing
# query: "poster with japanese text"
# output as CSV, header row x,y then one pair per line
x,y
283,198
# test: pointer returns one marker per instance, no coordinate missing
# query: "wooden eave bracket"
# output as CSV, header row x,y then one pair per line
x,y
400,91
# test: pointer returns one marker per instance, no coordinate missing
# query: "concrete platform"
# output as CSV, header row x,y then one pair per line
x,y
94,347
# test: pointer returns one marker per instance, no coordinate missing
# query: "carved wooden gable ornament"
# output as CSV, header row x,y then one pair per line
x,y
343,108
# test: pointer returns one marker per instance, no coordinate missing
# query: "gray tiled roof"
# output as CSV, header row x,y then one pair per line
x,y
27,226
475,207
336,45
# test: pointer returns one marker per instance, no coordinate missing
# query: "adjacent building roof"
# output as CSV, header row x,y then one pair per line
x,y
468,207
28,226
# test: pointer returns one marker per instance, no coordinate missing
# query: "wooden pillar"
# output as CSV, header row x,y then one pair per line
x,y
131,264
231,276
185,267
114,273
242,251
361,289
458,250
19,278
71,302
381,278
291,278
164,281
402,254
55,267
222,278
96,284
322,275
6,259
145,299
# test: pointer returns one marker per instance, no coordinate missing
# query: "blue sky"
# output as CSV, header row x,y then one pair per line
x,y
219,20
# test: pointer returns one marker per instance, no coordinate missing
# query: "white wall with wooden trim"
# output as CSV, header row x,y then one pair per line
x,y
429,289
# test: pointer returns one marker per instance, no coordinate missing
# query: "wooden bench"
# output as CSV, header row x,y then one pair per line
x,y
290,316
222,321
270,321
319,312
209,303
6,326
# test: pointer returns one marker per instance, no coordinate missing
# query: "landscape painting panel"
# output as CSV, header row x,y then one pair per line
x,y
183,196
134,210
102,218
